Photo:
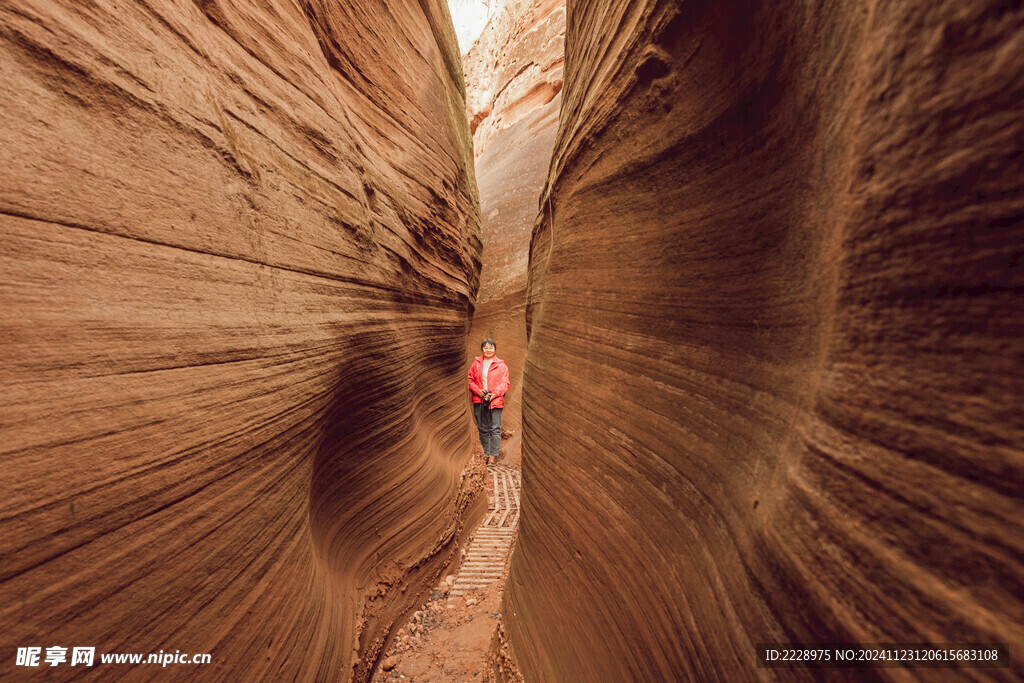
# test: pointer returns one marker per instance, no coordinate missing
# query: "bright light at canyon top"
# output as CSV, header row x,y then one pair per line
x,y
469,18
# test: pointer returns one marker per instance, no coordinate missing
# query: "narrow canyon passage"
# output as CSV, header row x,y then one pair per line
x,y
513,76
453,634
755,269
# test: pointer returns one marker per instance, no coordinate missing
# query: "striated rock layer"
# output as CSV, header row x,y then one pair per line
x,y
240,247
513,77
514,68
774,364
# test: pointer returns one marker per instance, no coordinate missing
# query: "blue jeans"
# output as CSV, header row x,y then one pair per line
x,y
488,422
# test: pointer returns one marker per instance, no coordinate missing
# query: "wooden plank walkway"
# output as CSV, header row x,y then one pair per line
x,y
484,560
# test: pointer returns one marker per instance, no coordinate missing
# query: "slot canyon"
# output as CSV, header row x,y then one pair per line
x,y
755,269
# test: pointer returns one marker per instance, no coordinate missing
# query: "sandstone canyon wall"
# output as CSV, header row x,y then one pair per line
x,y
773,375
513,78
240,251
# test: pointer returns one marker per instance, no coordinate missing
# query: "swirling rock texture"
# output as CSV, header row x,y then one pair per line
x,y
240,249
773,377
513,78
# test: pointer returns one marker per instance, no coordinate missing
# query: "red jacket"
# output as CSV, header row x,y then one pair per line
x,y
497,381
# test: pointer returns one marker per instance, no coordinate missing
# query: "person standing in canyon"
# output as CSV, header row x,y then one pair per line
x,y
488,382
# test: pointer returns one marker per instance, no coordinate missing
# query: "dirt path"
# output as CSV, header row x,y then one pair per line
x,y
448,638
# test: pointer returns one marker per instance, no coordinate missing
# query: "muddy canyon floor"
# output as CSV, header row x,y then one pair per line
x,y
755,269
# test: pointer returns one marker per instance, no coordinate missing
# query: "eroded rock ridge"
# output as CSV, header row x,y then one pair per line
x,y
774,362
240,250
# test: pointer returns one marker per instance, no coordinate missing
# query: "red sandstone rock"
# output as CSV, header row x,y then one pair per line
x,y
513,75
773,383
239,253
514,68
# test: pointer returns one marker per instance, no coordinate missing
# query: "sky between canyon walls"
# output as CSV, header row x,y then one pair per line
x,y
469,18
